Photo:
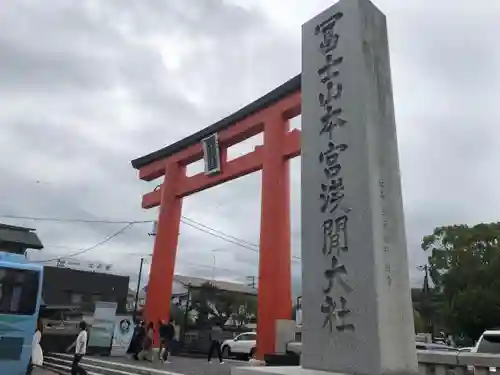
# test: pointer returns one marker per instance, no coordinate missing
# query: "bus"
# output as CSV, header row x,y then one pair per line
x,y
20,296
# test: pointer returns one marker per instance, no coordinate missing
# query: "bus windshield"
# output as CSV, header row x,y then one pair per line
x,y
18,291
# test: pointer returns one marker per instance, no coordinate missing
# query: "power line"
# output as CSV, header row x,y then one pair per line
x,y
186,220
63,220
240,244
83,251
234,242
237,241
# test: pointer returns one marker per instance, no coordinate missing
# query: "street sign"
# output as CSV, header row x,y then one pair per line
x,y
211,154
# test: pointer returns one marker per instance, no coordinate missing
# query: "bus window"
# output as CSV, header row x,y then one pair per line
x,y
18,291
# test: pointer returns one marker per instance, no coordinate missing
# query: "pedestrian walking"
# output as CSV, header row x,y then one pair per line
x,y
147,346
36,359
80,346
215,342
36,349
167,334
135,346
161,331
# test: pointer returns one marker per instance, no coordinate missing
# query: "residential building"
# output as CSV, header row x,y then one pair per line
x,y
181,285
14,239
141,300
81,289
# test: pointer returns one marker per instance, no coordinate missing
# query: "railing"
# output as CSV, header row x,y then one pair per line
x,y
457,363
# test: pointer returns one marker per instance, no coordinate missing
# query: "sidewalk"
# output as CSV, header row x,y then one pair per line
x,y
39,371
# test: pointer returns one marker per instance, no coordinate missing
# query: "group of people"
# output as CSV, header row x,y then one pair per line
x,y
141,345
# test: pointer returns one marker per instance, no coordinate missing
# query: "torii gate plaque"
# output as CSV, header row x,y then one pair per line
x,y
269,115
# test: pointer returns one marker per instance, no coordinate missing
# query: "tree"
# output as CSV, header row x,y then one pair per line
x,y
215,305
177,313
246,310
464,265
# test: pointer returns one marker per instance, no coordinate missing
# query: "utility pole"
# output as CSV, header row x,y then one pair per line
x,y
251,282
186,312
137,291
152,233
426,300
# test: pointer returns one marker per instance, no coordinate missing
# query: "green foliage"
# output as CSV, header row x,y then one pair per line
x,y
213,305
465,267
245,310
177,313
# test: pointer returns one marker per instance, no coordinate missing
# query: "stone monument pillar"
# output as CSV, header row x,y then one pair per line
x,y
357,312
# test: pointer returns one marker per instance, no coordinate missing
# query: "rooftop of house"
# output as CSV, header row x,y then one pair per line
x,y
20,237
197,282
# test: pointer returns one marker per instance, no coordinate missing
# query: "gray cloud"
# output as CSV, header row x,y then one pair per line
x,y
89,86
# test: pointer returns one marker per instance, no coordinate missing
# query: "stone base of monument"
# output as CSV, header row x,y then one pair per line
x,y
279,370
281,360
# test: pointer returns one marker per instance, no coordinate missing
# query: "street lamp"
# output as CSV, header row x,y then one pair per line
x,y
136,302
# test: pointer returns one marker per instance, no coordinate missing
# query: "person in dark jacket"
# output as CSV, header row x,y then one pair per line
x,y
167,334
137,340
215,342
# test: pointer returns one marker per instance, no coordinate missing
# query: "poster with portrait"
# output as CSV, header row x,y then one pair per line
x,y
122,335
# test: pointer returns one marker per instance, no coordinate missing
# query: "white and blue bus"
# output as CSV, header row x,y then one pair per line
x,y
20,296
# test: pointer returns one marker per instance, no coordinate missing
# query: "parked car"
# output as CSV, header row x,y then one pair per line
x,y
60,327
489,342
60,320
243,345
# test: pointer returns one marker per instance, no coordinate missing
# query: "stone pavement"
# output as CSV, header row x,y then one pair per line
x,y
189,366
127,366
39,371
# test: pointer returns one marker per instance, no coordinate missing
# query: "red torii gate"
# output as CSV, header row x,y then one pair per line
x,y
270,114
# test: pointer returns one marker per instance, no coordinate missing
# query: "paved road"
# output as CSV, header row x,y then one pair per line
x,y
39,371
191,366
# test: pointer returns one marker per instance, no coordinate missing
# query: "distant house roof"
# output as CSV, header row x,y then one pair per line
x,y
21,237
197,282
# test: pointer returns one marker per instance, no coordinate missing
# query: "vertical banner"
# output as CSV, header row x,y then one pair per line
x,y
123,332
103,324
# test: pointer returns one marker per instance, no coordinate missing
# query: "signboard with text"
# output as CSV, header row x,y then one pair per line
x,y
80,265
103,324
211,154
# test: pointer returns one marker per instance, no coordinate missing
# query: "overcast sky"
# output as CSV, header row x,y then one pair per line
x,y
87,86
